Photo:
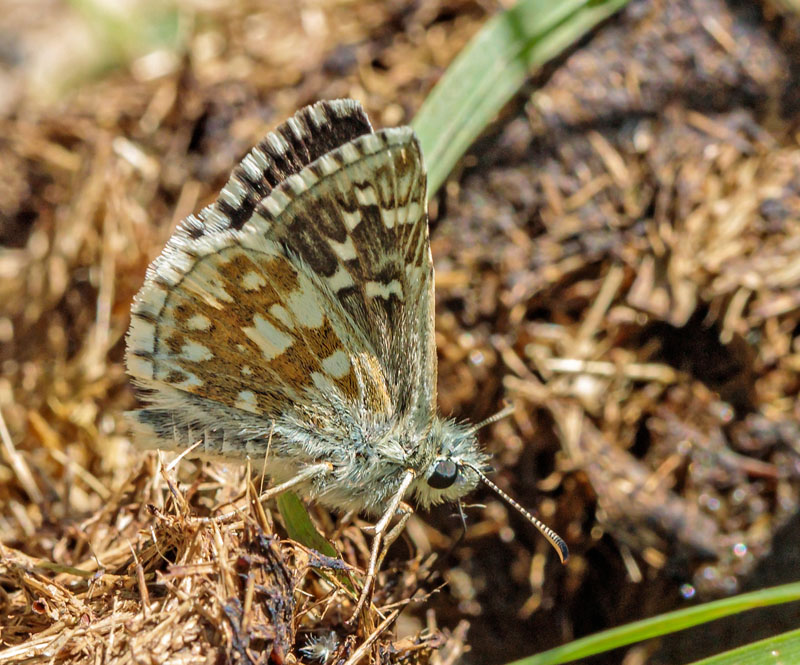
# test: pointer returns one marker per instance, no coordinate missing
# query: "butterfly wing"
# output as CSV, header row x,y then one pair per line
x,y
302,296
357,218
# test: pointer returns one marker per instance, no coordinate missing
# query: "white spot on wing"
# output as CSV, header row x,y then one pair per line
x,y
142,335
341,279
309,178
276,202
351,219
337,364
150,299
253,281
269,339
349,152
389,217
282,315
246,401
377,289
214,217
327,165
296,127
191,381
233,192
317,116
277,142
196,352
413,274
198,322
259,158
139,367
251,168
305,308
321,382
366,195
258,222
414,211
372,143
295,183
169,274
346,251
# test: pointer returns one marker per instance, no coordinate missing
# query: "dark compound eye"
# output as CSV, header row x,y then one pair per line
x,y
444,474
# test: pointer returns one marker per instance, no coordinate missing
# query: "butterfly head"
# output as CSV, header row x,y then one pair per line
x,y
447,472
457,466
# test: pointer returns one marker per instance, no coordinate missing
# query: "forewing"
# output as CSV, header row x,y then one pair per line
x,y
357,217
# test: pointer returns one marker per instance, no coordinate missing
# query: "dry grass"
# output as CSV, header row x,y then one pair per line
x,y
159,584
104,555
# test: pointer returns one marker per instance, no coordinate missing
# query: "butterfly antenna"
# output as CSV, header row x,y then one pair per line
x,y
553,538
505,411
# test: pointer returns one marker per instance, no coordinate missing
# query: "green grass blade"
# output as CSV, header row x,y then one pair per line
x,y
492,68
783,648
299,525
663,625
301,529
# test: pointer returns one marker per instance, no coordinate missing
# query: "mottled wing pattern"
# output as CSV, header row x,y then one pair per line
x,y
303,293
357,217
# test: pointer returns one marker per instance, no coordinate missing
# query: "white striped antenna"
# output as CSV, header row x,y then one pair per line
x,y
552,537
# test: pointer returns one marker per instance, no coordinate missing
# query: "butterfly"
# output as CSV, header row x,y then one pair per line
x,y
295,315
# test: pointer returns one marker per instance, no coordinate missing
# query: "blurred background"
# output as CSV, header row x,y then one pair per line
x,y
618,253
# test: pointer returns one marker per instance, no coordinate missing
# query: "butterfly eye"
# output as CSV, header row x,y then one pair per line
x,y
444,474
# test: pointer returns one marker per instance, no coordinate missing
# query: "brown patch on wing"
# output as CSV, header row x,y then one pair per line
x,y
228,362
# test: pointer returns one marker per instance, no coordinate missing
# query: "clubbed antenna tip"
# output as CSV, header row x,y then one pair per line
x,y
553,538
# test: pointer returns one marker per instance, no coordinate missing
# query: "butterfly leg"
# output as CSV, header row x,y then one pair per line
x,y
272,492
378,552
305,474
405,512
